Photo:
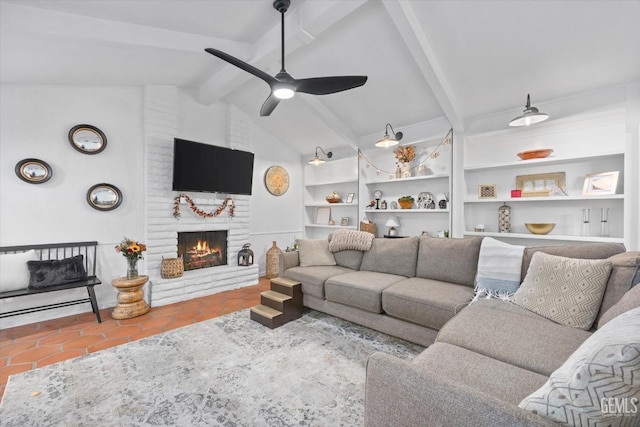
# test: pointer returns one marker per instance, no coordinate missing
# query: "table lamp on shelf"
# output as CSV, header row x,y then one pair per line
x,y
392,223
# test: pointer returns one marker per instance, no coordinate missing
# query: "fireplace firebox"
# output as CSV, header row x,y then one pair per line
x,y
202,249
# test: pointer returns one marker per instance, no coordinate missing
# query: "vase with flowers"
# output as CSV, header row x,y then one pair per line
x,y
404,156
132,251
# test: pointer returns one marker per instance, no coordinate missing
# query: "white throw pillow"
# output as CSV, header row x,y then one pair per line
x,y
14,273
566,290
315,252
599,384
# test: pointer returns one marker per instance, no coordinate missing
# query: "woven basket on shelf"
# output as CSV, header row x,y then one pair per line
x,y
170,268
273,261
368,227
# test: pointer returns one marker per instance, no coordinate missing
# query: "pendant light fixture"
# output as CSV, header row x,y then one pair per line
x,y
530,116
389,141
317,160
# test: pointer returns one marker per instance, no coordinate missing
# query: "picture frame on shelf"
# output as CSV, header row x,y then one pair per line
x,y
541,184
323,215
344,222
350,197
603,183
487,191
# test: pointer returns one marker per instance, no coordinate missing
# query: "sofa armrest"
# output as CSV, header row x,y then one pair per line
x,y
398,393
287,260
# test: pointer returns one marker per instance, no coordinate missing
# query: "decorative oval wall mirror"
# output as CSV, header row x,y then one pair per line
x,y
33,171
87,139
104,197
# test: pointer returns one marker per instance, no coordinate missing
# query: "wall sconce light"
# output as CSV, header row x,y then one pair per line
x,y
530,116
389,141
317,160
392,223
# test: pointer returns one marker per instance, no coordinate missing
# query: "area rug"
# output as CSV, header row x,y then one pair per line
x,y
228,371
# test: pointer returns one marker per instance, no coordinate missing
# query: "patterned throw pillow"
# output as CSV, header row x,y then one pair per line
x,y
566,290
599,384
315,252
350,240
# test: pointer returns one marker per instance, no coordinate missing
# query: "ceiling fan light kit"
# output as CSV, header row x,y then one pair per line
x,y
530,116
282,85
389,141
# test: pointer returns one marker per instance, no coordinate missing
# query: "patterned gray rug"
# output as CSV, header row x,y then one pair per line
x,y
228,371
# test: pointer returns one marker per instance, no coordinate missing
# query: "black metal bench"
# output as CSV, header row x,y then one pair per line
x,y
58,251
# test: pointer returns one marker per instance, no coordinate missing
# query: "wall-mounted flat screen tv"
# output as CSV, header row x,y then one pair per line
x,y
211,169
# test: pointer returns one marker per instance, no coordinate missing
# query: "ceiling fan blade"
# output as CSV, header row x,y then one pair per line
x,y
327,85
242,65
269,105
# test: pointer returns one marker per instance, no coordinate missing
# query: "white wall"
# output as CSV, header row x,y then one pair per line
x,y
34,122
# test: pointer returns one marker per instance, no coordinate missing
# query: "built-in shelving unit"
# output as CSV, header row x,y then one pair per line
x,y
378,173
340,176
582,146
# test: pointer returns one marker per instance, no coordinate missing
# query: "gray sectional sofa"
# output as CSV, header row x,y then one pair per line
x,y
482,359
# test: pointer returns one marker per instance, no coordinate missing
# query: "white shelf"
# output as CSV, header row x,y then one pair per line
x,y
413,178
545,237
422,211
546,199
342,181
547,160
348,227
327,204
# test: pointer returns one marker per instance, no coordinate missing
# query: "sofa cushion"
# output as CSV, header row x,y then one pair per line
x,y
14,273
393,256
512,334
449,260
427,302
349,259
313,278
582,251
624,274
507,382
361,289
565,290
629,301
601,374
315,252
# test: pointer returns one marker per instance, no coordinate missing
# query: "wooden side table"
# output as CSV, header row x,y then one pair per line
x,y
131,301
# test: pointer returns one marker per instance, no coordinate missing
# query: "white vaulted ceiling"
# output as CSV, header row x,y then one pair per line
x,y
440,61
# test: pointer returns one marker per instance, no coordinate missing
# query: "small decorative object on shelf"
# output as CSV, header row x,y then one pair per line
x,y
245,255
273,259
604,222
504,219
405,156
426,200
540,184
487,191
600,183
423,170
516,193
344,222
406,202
171,268
541,228
333,197
350,197
479,228
132,251
585,225
383,205
535,154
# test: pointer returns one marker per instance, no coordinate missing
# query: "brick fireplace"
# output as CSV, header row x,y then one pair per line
x,y
162,229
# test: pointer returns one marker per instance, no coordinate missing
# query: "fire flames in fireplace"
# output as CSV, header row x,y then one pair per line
x,y
203,249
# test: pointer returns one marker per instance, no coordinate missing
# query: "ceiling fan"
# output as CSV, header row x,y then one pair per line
x,y
282,85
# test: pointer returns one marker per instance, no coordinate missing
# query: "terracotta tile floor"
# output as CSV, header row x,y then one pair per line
x,y
39,344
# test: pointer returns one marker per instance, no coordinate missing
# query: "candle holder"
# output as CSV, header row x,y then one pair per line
x,y
604,222
585,225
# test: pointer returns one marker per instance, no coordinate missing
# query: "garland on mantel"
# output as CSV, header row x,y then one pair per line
x,y
228,202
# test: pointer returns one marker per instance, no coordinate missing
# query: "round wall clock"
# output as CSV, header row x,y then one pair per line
x,y
276,179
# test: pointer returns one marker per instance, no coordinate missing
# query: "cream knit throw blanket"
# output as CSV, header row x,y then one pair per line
x,y
343,240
